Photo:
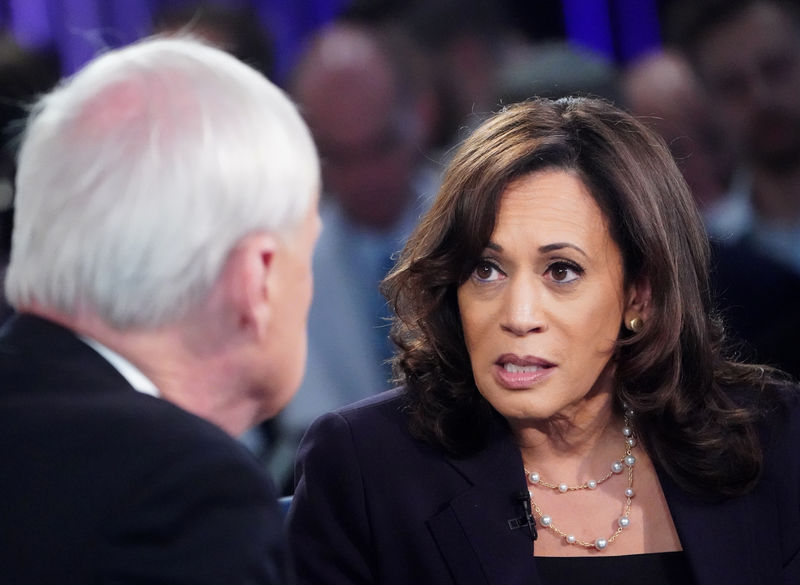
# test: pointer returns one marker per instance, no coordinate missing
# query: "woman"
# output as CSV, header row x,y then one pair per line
x,y
567,414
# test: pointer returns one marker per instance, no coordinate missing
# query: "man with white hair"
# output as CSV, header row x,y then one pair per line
x,y
166,215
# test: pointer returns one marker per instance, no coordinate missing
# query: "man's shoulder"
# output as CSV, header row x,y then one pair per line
x,y
50,379
38,356
115,423
71,401
114,468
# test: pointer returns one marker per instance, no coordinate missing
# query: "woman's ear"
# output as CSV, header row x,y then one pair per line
x,y
637,307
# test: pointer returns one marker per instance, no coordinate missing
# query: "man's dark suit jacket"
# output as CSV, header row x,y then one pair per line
x,y
101,484
375,506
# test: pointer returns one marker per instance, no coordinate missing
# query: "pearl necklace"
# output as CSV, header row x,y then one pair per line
x,y
616,468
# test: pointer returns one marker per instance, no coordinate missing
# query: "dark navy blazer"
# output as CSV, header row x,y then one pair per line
x,y
101,484
375,506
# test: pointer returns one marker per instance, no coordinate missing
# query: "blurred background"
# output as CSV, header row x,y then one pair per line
x,y
76,29
472,54
389,87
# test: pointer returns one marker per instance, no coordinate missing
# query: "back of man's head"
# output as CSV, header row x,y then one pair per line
x,y
141,173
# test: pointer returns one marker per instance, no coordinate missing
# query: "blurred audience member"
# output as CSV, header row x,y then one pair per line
x,y
747,53
466,42
664,92
371,116
166,214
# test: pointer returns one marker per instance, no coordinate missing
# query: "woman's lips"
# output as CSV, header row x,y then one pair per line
x,y
515,372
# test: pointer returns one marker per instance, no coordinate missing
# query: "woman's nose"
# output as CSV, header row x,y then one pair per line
x,y
524,311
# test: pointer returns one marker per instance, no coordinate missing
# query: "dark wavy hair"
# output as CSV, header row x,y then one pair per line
x,y
673,372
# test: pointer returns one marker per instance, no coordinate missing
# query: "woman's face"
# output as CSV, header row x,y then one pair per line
x,y
544,305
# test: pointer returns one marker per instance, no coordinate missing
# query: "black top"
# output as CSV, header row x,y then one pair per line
x,y
669,568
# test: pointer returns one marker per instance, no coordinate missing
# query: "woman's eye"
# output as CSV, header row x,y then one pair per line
x,y
563,272
486,271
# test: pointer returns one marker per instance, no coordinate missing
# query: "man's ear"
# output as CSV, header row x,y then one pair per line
x,y
637,304
246,282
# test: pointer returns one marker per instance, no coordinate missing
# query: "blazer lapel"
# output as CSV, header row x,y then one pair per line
x,y
472,530
726,542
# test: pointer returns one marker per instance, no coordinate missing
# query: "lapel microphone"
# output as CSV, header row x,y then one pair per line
x,y
526,520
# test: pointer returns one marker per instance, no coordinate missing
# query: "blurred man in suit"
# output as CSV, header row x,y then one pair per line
x,y
166,214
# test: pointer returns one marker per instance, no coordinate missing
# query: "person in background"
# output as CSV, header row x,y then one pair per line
x,y
467,43
662,90
568,411
746,53
166,213
370,111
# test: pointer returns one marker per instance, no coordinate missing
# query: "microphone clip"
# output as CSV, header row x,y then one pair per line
x,y
526,520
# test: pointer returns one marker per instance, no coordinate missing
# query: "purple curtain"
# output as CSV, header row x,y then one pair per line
x,y
620,30
30,22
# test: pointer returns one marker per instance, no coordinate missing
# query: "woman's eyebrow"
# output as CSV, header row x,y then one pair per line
x,y
543,249
560,246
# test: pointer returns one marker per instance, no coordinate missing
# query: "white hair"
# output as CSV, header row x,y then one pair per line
x,y
139,175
